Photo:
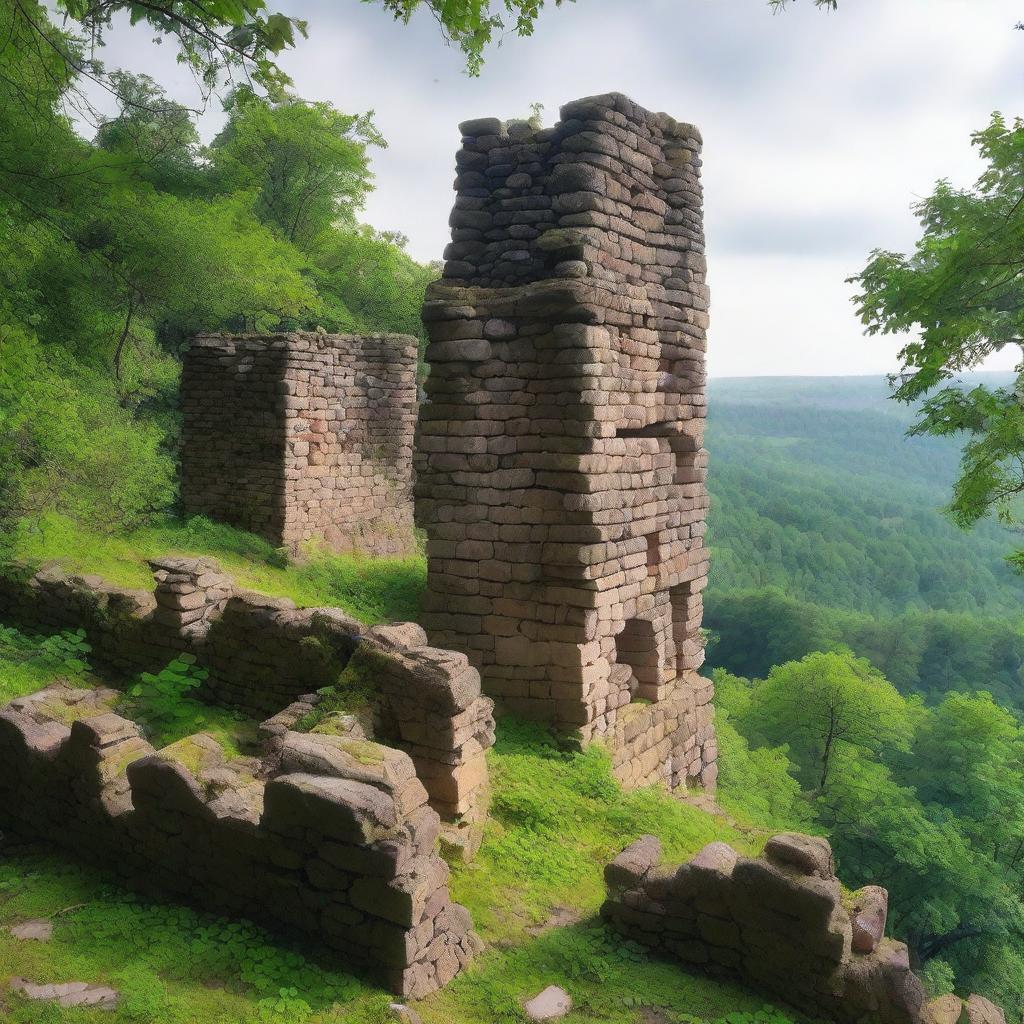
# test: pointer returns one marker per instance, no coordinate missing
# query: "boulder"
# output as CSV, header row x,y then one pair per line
x,y
809,855
979,1010
342,809
944,1010
551,1004
631,866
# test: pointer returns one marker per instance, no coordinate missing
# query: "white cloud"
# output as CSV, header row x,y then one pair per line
x,y
820,130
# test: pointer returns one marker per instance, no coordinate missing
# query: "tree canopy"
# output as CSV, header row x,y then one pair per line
x,y
961,293
114,251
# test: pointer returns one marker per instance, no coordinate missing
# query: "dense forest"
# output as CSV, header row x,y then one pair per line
x,y
869,661
827,529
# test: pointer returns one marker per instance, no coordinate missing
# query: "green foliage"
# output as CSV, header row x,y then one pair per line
x,y
370,589
755,783
924,801
472,24
826,704
938,977
818,492
930,653
217,39
766,1015
165,705
177,966
960,296
68,446
113,253
306,163
28,663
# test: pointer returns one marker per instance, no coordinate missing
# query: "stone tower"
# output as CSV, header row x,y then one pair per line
x,y
560,461
302,437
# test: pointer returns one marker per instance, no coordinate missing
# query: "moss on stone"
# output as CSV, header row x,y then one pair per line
x,y
190,754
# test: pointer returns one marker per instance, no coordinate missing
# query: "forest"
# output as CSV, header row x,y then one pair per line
x,y
845,587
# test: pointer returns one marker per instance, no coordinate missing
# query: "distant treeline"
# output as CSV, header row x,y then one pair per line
x,y
931,653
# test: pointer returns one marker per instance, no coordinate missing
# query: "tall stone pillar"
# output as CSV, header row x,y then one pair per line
x,y
560,461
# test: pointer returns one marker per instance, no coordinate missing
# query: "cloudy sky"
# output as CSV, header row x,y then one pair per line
x,y
819,129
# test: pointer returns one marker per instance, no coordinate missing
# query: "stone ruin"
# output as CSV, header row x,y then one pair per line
x,y
265,656
783,923
560,467
331,832
302,437
329,837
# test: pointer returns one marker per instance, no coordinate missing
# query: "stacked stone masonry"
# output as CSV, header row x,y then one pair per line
x,y
263,654
782,923
302,437
331,839
560,466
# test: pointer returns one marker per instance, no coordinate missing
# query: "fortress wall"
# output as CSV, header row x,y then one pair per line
x,y
263,653
560,467
336,843
302,437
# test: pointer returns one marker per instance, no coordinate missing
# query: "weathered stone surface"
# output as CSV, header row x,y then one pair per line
x,y
978,1010
36,930
810,855
74,993
262,654
631,866
301,437
779,923
946,1009
343,851
551,1004
870,911
560,467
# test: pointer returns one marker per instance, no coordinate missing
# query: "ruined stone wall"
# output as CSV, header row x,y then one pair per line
x,y
560,467
263,653
782,923
335,843
302,437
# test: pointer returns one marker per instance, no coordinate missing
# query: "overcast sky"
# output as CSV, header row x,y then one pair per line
x,y
819,131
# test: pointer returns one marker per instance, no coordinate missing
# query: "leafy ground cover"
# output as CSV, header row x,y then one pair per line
x,y
535,890
162,703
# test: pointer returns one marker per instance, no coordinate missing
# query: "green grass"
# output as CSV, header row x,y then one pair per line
x,y
371,589
556,819
29,663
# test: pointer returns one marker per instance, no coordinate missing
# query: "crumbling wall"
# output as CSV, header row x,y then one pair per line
x,y
782,923
338,843
560,467
302,437
263,653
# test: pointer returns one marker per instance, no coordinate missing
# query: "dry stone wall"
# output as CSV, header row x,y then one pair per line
x,y
263,653
560,466
782,923
302,437
332,839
